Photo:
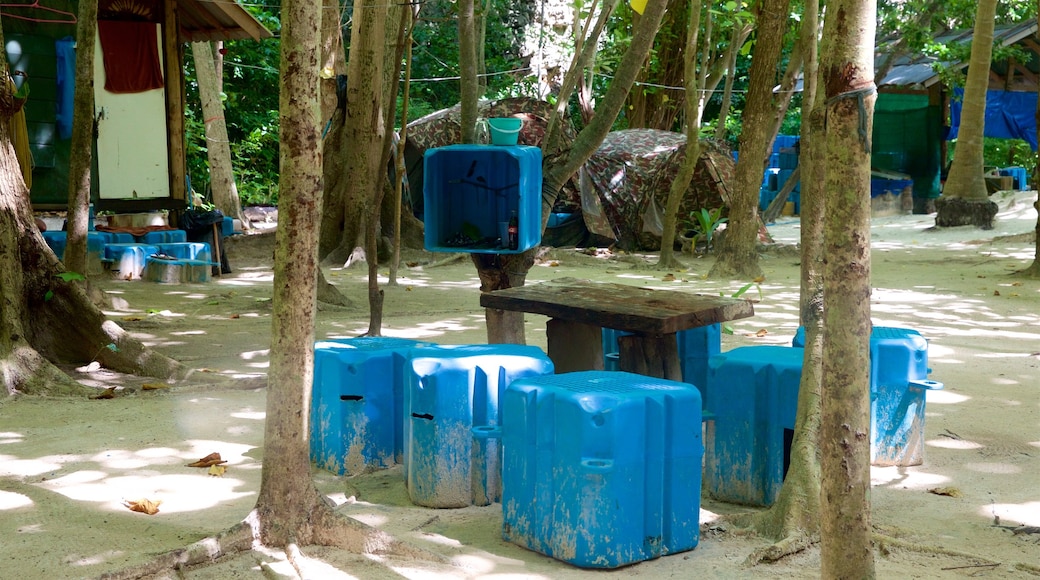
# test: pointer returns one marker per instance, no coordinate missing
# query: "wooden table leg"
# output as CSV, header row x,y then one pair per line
x,y
574,346
653,356
216,249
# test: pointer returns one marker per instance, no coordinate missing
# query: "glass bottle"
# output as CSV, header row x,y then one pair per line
x,y
514,231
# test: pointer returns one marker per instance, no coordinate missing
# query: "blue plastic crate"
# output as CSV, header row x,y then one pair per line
x,y
357,403
187,251
880,186
696,347
452,419
175,270
788,159
129,260
227,226
898,382
753,393
601,469
782,177
477,187
163,237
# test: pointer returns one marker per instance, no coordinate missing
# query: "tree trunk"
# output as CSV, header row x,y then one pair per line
x,y
81,146
44,319
558,166
469,86
847,72
965,200
740,34
1033,271
794,519
218,148
738,253
693,82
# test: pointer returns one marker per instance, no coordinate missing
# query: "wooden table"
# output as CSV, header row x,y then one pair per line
x,y
579,310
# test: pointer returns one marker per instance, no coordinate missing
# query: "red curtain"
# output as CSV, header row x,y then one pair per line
x,y
131,56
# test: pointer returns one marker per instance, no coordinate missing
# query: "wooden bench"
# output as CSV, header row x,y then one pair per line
x,y
579,310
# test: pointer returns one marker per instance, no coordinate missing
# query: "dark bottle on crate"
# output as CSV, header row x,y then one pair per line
x,y
514,231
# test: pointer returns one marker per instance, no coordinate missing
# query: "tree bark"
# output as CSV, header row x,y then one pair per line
x,y
469,86
847,73
966,183
738,254
737,38
82,144
218,147
794,519
692,106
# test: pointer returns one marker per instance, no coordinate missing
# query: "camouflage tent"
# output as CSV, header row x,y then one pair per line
x,y
443,128
624,185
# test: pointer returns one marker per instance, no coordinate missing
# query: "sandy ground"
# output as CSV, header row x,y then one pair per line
x,y
67,466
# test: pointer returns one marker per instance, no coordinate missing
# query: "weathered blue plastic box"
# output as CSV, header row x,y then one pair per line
x,y
163,237
474,188
753,393
128,260
117,237
357,403
452,419
601,469
186,250
696,347
175,270
898,383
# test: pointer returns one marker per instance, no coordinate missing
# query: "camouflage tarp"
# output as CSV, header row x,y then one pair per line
x,y
624,185
443,128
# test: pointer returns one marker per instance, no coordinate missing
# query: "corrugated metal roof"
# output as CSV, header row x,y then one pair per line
x,y
917,69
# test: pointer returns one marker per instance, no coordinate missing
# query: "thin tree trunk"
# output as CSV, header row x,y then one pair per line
x,y
81,146
693,82
735,42
218,147
469,85
407,17
965,200
738,254
847,73
793,521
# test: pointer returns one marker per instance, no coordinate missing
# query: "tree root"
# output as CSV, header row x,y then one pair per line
x,y
786,547
236,539
883,544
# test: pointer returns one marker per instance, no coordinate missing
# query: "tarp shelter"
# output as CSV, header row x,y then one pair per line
x,y
625,184
139,164
443,128
1009,115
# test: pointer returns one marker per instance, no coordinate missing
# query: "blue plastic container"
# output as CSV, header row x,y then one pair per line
x,y
176,270
788,159
782,177
898,382
601,469
117,237
187,250
357,403
163,237
1021,177
452,419
227,226
753,393
128,260
468,190
696,347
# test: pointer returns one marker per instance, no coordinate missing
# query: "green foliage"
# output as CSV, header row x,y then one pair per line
x,y
705,223
1000,153
727,328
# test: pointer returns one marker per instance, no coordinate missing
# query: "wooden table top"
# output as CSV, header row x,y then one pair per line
x,y
618,306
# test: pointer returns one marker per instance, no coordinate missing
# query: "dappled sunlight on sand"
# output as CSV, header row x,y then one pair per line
x,y
905,477
1026,514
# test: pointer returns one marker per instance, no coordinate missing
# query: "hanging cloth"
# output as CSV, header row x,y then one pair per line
x,y
131,56
66,56
19,132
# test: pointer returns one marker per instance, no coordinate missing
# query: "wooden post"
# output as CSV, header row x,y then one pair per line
x,y
653,356
574,346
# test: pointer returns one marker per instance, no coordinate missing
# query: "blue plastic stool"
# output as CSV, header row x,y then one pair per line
x,y
129,260
453,421
753,393
357,403
601,469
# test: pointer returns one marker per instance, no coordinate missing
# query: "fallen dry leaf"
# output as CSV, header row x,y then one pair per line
x,y
996,292
407,288
947,491
109,393
759,280
411,264
132,318
668,278
761,333
216,470
154,386
211,459
233,316
144,506
554,264
1016,283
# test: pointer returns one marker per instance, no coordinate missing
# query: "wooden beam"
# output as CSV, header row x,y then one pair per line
x,y
174,65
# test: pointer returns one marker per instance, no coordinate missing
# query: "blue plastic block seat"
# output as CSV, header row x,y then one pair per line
x,y
898,382
357,403
453,420
696,347
163,237
129,260
601,469
753,393
187,250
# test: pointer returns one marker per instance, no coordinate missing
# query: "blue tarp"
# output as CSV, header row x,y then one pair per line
x,y
1009,115
66,51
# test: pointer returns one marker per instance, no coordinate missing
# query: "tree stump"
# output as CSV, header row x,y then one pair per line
x,y
955,211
